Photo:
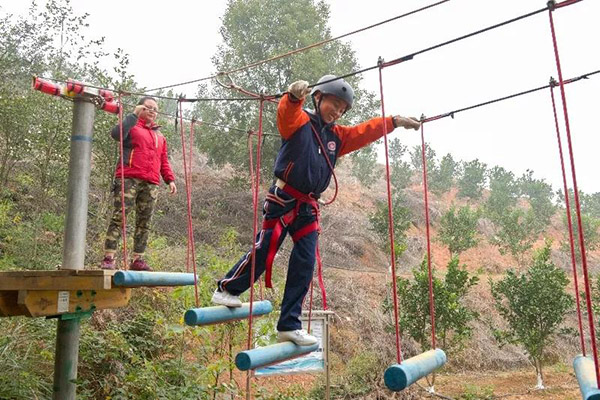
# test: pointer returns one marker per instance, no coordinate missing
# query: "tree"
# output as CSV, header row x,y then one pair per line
x,y
416,159
515,233
452,317
540,194
364,163
591,204
35,128
458,229
472,179
400,169
534,305
402,221
504,192
441,178
258,29
591,234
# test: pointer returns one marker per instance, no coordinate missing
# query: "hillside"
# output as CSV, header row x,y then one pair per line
x,y
357,276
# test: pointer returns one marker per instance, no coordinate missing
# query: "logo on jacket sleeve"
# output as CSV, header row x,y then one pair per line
x,y
331,146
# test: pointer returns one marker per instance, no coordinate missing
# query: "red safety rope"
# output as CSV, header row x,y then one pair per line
x,y
588,299
390,220
254,233
310,304
192,246
569,220
324,151
123,213
255,218
190,252
320,277
425,196
192,241
251,164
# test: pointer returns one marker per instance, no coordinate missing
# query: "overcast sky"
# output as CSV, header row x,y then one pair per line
x,y
518,134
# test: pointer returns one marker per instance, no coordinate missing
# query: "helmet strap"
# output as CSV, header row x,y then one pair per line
x,y
317,105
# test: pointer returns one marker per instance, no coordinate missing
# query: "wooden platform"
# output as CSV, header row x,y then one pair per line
x,y
51,293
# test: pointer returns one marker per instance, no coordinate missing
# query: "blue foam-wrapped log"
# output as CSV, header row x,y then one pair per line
x,y
400,376
217,314
586,377
261,356
147,278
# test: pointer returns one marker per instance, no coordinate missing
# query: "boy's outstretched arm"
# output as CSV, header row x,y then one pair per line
x,y
358,136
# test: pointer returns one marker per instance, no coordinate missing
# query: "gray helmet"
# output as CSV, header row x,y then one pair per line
x,y
339,88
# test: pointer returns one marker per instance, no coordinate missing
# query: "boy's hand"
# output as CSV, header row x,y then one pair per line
x,y
299,89
406,122
172,188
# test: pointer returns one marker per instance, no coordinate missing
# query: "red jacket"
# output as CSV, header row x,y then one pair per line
x,y
300,162
144,151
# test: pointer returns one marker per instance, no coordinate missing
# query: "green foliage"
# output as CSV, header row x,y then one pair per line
x,y
590,226
441,178
472,179
253,30
29,241
401,172
416,159
26,345
504,192
379,221
452,317
364,163
591,204
362,373
533,304
458,229
474,392
516,231
540,194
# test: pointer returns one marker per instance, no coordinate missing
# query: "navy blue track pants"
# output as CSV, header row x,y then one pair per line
x,y
301,263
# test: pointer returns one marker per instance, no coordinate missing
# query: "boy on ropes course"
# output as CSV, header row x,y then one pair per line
x,y
144,162
311,144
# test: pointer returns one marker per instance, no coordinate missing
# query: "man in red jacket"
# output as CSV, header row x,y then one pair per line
x,y
145,161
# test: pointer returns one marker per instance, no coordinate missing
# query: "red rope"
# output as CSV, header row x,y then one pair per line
x,y
320,277
193,241
191,231
255,219
324,151
254,232
390,221
123,213
190,253
251,165
569,221
310,304
425,196
566,3
588,299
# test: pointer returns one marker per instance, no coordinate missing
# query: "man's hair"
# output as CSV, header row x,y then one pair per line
x,y
143,100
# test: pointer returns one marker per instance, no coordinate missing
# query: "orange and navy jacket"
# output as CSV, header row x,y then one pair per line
x,y
144,151
300,162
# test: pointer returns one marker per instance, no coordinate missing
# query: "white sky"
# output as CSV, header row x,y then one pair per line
x,y
517,134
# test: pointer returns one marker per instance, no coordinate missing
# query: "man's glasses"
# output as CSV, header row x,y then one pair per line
x,y
153,109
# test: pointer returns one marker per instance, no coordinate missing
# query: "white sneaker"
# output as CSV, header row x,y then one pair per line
x,y
299,336
225,298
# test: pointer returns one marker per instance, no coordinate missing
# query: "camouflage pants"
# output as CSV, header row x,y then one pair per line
x,y
143,195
